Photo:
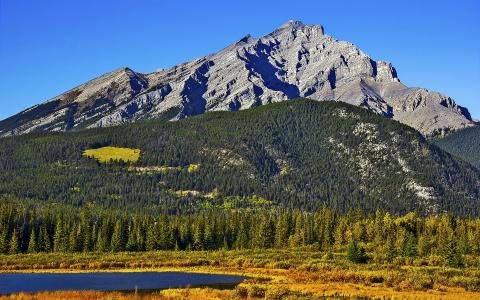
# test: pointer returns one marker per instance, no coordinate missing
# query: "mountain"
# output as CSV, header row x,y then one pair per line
x,y
464,144
298,153
295,60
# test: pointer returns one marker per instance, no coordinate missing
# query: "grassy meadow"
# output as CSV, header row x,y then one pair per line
x,y
107,154
272,274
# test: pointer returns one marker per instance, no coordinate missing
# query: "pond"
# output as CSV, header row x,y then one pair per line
x,y
110,281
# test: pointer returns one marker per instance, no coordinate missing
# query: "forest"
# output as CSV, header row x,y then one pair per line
x,y
299,154
464,144
379,237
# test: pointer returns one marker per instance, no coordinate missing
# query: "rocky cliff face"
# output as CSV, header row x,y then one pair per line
x,y
295,60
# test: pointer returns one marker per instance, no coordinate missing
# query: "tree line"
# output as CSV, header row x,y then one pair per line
x,y
26,228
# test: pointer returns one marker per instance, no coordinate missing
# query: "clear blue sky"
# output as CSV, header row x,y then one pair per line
x,y
48,47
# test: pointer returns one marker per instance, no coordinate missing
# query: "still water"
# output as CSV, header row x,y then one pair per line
x,y
21,282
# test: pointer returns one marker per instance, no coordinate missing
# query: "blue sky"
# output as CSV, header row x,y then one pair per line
x,y
48,47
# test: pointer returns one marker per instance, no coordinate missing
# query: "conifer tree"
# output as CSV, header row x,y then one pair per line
x,y
118,238
14,245
409,246
356,253
452,254
391,250
46,241
32,243
59,243
3,241
198,238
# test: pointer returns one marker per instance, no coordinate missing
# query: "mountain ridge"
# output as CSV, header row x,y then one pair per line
x,y
295,60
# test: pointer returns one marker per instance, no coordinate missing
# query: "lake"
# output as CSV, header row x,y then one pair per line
x,y
110,281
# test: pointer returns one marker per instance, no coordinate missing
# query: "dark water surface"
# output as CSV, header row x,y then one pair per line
x,y
22,282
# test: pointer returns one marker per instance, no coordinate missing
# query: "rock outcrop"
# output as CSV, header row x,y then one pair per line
x,y
295,60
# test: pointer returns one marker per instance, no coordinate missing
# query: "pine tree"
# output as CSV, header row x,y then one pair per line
x,y
241,241
118,238
151,239
356,253
14,245
131,242
391,251
59,243
73,244
409,246
46,241
32,243
452,254
208,240
281,231
198,236
3,241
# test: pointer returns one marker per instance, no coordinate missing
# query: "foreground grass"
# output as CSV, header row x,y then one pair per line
x,y
106,154
273,274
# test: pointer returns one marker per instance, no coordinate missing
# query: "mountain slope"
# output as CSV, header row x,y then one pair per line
x,y
464,144
296,60
298,153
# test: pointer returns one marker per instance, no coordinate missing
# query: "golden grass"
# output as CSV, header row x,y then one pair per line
x,y
272,274
171,294
193,168
105,154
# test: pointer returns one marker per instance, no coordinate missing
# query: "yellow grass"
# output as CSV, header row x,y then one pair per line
x,y
193,168
296,274
105,154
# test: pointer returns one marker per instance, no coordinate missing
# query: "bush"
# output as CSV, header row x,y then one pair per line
x,y
435,261
241,291
469,283
356,253
256,291
282,265
277,293
417,281
328,256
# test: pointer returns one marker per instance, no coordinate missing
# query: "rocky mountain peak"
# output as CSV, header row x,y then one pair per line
x,y
292,24
295,60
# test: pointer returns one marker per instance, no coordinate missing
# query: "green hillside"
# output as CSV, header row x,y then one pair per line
x,y
299,153
464,144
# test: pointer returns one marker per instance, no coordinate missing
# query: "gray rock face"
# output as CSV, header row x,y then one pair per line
x,y
295,60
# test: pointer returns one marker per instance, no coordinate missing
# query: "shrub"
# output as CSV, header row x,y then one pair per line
x,y
328,256
277,293
241,291
256,291
435,261
469,283
282,265
417,281
356,253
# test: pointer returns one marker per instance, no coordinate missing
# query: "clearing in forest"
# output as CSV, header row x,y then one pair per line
x,y
106,154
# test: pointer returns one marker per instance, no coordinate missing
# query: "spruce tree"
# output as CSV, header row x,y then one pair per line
x,y
118,238
391,250
14,245
3,241
198,236
356,253
409,246
59,243
452,254
32,243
